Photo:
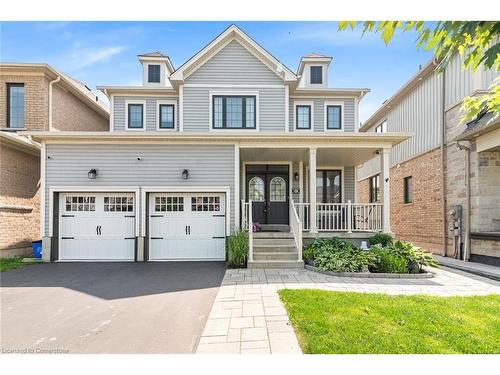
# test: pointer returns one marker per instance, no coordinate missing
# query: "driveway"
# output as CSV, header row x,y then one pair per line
x,y
107,307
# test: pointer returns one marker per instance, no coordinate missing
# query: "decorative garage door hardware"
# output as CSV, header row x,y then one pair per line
x,y
68,215
157,238
129,238
220,237
129,215
188,229
155,215
67,238
219,215
98,230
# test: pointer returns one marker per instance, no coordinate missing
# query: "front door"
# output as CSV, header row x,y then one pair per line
x,y
267,188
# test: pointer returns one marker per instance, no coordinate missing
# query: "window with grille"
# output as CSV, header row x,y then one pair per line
x,y
233,112
278,190
118,204
303,116
256,189
205,204
169,204
80,203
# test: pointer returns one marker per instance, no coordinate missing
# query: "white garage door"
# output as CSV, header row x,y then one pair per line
x,y
97,226
187,226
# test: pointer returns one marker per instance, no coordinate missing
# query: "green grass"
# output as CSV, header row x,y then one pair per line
x,y
12,263
350,323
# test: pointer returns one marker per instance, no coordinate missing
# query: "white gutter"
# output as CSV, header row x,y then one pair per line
x,y
50,100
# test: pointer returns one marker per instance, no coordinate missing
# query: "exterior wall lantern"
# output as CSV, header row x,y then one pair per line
x,y
296,176
185,174
92,174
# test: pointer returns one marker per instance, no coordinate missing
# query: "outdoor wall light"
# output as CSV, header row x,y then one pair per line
x,y
296,176
92,174
185,174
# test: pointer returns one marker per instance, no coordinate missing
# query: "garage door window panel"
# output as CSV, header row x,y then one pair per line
x,y
169,204
80,203
118,204
205,204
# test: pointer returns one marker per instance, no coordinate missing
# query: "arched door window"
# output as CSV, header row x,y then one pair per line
x,y
256,189
278,190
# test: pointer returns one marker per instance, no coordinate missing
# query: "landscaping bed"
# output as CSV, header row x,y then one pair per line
x,y
422,275
328,322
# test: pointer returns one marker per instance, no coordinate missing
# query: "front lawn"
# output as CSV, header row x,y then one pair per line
x,y
362,323
12,263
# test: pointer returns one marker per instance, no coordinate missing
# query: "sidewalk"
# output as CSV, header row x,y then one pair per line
x,y
485,270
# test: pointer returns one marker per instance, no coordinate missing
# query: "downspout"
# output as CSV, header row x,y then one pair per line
x,y
443,165
50,100
467,199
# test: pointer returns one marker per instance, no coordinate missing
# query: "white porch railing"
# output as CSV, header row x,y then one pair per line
x,y
247,225
342,217
296,229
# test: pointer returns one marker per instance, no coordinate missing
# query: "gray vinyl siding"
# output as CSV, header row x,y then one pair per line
x,y
161,165
119,110
349,184
319,113
234,64
419,113
197,110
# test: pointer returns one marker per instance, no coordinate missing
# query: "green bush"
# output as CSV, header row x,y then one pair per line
x,y
415,256
382,239
388,262
237,249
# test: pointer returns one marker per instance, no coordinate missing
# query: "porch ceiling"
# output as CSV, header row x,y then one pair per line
x,y
325,156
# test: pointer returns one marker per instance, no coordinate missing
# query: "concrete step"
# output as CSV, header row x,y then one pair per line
x,y
275,264
273,241
275,227
273,235
275,256
274,248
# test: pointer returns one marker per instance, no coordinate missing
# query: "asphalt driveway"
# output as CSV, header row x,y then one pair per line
x,y
107,307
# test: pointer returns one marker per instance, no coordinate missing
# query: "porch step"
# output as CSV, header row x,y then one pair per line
x,y
273,241
275,264
275,228
275,256
273,248
272,235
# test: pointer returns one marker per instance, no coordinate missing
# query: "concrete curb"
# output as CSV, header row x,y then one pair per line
x,y
367,275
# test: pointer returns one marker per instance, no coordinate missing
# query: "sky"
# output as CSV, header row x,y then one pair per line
x,y
105,53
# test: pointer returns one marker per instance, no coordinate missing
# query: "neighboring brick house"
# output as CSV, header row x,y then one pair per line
x,y
34,97
428,175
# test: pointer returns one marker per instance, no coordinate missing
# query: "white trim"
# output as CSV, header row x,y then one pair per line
x,y
127,103
168,102
111,112
356,115
148,95
43,158
212,93
287,108
236,186
301,182
300,103
191,189
181,108
355,184
234,85
93,189
290,174
325,116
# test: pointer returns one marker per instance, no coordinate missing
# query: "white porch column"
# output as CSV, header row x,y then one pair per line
x,y
312,190
385,190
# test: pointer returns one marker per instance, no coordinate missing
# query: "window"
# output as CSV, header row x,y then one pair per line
x,y
381,128
408,189
118,204
169,204
329,186
15,105
234,112
303,116
334,117
374,188
154,73
205,204
167,116
135,116
256,189
316,75
278,190
80,203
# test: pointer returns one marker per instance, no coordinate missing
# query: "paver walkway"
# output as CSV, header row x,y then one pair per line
x,y
480,269
248,316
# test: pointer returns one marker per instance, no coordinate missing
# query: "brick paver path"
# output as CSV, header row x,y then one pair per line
x,y
248,316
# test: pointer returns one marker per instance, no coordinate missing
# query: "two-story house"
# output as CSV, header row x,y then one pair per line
x,y
230,139
445,180
34,97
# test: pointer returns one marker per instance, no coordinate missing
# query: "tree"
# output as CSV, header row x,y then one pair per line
x,y
477,41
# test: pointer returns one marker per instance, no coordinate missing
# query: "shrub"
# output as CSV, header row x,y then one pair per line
x,y
388,262
415,256
382,239
237,249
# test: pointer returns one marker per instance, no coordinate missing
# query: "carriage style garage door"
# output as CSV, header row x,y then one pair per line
x,y
187,226
97,226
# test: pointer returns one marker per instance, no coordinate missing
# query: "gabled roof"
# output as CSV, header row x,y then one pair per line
x,y
152,54
157,56
312,57
233,32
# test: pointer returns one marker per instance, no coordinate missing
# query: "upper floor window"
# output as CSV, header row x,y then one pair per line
x,y
135,116
303,116
15,105
167,116
334,117
154,73
381,128
316,74
408,189
234,112
374,188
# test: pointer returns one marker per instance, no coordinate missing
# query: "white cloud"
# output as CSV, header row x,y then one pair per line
x,y
81,57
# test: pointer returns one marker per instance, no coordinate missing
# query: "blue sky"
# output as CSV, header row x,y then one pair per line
x,y
104,53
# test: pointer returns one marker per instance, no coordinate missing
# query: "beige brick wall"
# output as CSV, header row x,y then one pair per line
x,y
419,222
71,114
19,187
36,100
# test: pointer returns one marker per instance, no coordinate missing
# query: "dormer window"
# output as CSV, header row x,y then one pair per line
x,y
154,73
316,75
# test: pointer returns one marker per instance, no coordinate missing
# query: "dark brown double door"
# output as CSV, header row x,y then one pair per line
x,y
267,187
